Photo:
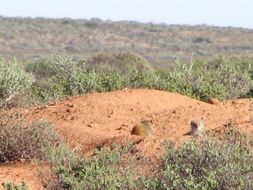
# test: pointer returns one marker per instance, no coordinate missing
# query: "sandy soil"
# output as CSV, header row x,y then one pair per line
x,y
99,119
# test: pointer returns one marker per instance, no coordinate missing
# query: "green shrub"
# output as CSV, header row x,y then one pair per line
x,y
13,79
112,81
13,186
103,171
42,94
72,78
205,80
175,81
224,163
234,76
107,169
23,141
44,88
68,74
42,68
201,80
118,62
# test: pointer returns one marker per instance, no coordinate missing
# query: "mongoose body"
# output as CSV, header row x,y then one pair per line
x,y
143,129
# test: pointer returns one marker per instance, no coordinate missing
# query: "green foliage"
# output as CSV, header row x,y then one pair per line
x,y
103,171
72,78
23,141
42,68
68,73
211,163
217,78
206,80
13,186
107,169
234,73
118,62
13,79
112,81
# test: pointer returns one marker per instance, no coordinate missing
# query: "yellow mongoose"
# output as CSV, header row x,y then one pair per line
x,y
197,128
143,129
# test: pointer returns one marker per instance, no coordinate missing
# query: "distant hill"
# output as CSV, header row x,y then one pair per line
x,y
28,38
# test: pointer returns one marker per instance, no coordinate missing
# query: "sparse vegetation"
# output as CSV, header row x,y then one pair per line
x,y
13,186
39,141
158,43
103,171
223,78
223,81
13,79
119,62
223,162
212,163
22,141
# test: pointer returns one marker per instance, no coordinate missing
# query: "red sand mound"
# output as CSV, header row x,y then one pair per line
x,y
99,119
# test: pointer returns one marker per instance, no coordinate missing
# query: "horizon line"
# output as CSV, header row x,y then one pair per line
x,y
128,20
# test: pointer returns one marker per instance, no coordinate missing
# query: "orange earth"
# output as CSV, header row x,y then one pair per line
x,y
99,119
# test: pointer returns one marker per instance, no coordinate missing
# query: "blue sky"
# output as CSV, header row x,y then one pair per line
x,y
238,13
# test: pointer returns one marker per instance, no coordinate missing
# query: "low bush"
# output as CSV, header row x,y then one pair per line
x,y
13,79
223,162
103,171
118,62
23,141
222,81
72,78
233,73
218,78
13,186
42,68
212,163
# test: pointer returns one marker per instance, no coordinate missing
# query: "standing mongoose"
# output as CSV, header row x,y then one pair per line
x,y
143,129
197,128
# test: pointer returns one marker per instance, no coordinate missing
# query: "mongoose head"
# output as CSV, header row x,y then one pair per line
x,y
144,128
147,122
